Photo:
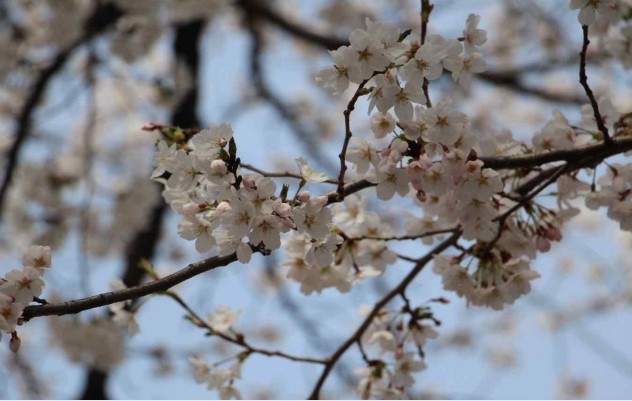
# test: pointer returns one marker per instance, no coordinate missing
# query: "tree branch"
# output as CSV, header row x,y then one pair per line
x,y
594,152
421,263
103,16
583,80
163,284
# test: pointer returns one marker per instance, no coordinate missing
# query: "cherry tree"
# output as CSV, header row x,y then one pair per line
x,y
428,141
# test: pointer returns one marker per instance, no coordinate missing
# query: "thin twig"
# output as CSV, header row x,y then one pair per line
x,y
286,174
583,80
597,151
421,263
501,219
163,284
426,9
405,237
343,152
238,340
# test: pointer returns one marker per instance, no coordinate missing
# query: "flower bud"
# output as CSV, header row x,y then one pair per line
x,y
14,343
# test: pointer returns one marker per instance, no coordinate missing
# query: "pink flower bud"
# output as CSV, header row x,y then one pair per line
x,y
303,196
223,207
282,209
287,222
248,183
320,201
14,343
543,244
190,209
553,233
421,196
415,174
223,142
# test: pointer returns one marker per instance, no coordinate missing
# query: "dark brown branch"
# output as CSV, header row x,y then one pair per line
x,y
426,9
343,152
108,298
357,335
599,151
583,80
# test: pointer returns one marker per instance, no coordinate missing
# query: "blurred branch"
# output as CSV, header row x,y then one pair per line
x,y
238,338
583,80
104,15
259,11
309,140
509,78
143,245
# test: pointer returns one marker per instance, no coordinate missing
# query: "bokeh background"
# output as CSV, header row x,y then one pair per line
x,y
80,78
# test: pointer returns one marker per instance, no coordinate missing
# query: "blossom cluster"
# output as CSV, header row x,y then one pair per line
x,y
399,339
225,209
217,378
19,287
434,155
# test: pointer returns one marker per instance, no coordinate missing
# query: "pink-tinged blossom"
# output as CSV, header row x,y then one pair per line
x,y
9,313
320,254
405,365
444,123
382,124
454,276
404,99
259,191
367,53
209,142
228,245
426,64
312,219
556,134
362,154
163,158
23,285
37,257
223,319
200,230
124,318
472,36
384,339
308,173
238,220
383,93
387,35
391,179
463,66
375,255
266,229
610,10
420,333
417,127
336,77
183,171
